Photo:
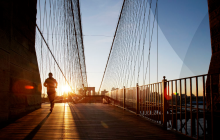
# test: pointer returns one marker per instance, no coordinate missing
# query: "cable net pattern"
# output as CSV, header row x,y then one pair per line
x,y
135,36
59,43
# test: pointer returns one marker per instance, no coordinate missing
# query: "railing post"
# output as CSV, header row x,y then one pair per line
x,y
164,90
137,100
124,97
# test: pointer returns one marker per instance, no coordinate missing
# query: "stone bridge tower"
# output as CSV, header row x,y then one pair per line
x,y
20,86
214,67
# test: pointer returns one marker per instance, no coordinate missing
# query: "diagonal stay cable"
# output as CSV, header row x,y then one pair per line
x,y
53,56
150,41
112,45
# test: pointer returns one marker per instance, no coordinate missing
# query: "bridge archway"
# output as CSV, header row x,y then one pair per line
x,y
91,90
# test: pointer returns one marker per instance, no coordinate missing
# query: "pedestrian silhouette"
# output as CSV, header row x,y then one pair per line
x,y
51,84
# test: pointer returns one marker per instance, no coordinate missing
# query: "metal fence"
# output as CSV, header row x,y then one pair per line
x,y
179,105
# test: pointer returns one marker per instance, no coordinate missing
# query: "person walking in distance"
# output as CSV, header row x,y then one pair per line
x,y
51,84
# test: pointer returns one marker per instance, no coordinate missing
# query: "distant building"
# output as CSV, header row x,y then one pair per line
x,y
87,91
114,89
104,92
81,91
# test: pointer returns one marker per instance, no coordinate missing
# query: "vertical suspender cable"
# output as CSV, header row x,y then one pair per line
x,y
157,40
149,44
76,40
79,15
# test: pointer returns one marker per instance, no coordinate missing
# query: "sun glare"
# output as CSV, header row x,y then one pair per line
x,y
66,88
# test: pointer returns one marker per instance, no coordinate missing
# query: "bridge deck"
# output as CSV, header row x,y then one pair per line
x,y
84,121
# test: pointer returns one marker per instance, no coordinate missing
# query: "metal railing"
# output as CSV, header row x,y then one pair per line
x,y
179,105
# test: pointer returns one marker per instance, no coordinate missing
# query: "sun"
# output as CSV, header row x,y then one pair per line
x,y
65,88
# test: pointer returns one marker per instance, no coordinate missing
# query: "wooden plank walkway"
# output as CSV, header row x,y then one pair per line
x,y
84,121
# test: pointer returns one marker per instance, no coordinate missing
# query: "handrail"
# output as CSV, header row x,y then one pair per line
x,y
183,105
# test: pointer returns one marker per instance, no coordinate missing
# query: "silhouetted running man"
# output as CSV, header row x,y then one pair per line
x,y
51,84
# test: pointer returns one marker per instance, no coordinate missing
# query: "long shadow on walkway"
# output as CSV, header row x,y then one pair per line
x,y
36,129
85,121
100,121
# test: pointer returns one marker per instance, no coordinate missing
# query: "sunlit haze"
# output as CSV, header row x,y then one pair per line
x,y
184,38
184,46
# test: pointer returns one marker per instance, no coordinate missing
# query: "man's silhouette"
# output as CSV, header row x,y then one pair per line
x,y
51,84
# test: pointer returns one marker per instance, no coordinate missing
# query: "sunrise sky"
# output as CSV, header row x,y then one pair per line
x,y
184,40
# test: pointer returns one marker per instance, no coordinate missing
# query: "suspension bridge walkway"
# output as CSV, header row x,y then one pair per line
x,y
85,121
42,36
